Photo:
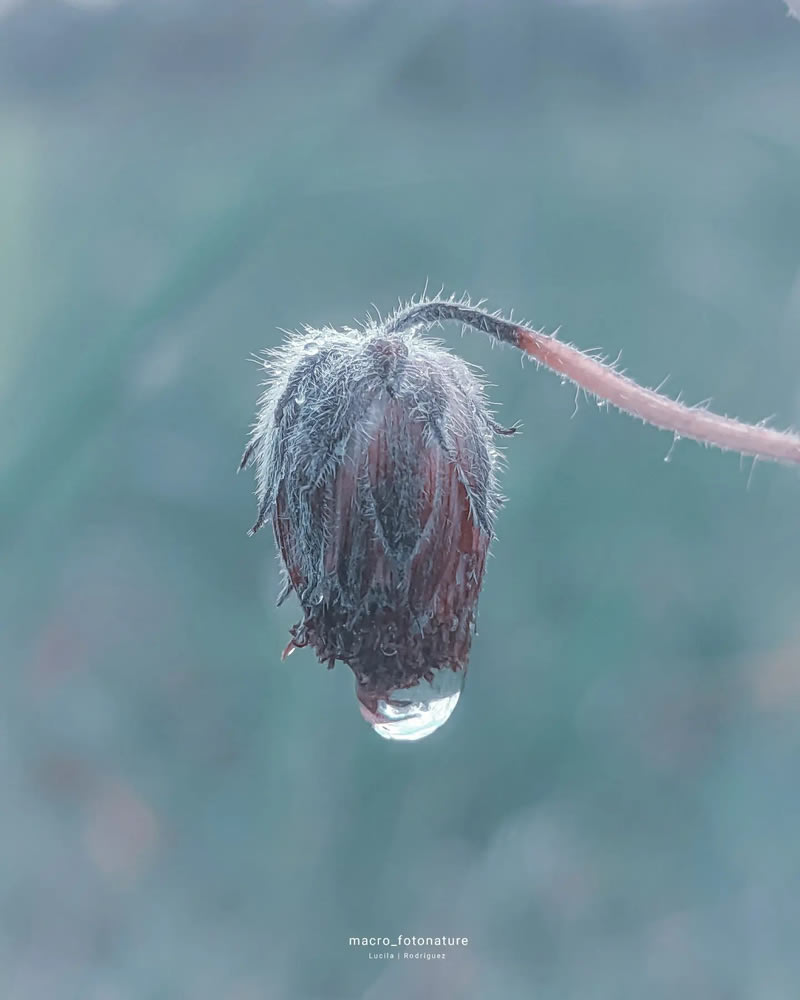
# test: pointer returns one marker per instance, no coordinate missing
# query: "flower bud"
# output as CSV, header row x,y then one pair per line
x,y
376,462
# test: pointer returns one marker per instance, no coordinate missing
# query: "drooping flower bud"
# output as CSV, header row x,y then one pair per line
x,y
376,462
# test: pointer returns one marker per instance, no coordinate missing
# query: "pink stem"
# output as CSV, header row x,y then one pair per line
x,y
686,421
603,381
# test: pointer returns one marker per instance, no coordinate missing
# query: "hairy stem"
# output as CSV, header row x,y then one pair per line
x,y
604,382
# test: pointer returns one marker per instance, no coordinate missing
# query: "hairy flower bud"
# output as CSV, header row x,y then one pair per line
x,y
375,459
377,464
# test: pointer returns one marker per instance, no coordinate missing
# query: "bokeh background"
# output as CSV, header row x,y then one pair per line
x,y
614,809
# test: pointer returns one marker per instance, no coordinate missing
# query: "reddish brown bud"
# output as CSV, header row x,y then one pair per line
x,y
376,462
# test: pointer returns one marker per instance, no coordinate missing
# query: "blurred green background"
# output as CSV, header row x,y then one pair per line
x,y
614,809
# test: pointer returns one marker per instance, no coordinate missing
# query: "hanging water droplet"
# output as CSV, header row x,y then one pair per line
x,y
668,457
311,347
415,712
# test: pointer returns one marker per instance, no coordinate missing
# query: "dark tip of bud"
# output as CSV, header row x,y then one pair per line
x,y
515,428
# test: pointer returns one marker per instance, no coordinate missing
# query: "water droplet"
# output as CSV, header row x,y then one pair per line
x,y
311,347
675,440
300,398
415,712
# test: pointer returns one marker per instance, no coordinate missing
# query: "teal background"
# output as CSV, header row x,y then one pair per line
x,y
614,809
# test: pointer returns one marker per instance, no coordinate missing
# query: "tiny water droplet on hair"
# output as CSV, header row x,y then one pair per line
x,y
311,347
668,457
